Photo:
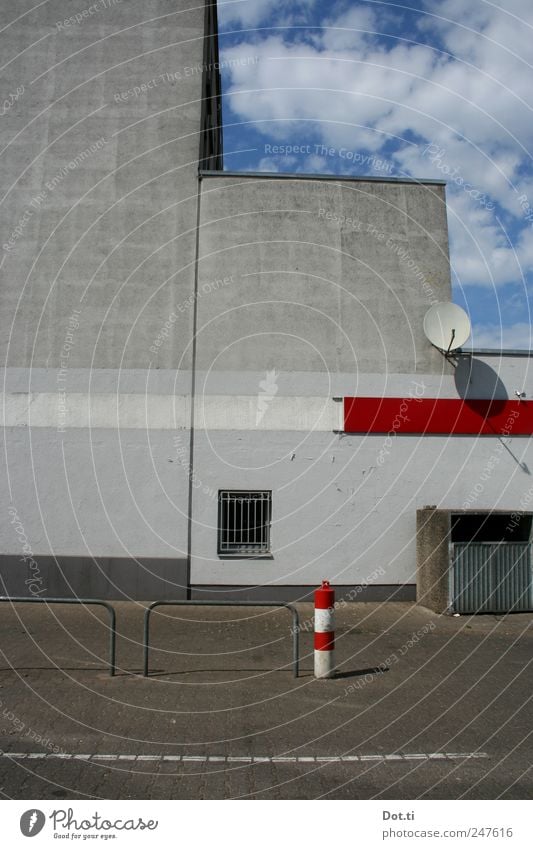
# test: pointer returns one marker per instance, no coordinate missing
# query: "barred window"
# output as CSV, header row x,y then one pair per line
x,y
244,522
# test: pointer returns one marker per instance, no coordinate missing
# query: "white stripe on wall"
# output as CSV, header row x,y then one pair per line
x,y
168,412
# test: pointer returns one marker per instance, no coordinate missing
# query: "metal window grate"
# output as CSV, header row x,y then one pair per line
x,y
244,522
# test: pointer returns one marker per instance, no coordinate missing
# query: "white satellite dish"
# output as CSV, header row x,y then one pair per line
x,y
447,326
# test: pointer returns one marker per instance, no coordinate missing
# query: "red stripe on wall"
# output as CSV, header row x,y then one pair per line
x,y
324,641
438,416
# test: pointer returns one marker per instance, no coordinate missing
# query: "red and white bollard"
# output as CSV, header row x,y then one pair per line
x,y
324,631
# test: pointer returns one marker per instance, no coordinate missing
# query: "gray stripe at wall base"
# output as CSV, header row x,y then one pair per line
x,y
151,579
112,578
348,592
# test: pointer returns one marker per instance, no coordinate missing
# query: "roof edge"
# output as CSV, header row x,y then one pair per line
x,y
283,175
495,352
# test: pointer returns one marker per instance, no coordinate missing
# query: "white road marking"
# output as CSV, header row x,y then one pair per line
x,y
252,759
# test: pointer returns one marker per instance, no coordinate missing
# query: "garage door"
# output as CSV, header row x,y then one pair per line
x,y
492,577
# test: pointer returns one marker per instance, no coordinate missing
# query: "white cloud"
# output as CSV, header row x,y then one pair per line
x,y
482,92
342,87
348,31
314,164
251,13
343,95
492,52
248,13
481,255
345,87
266,164
495,336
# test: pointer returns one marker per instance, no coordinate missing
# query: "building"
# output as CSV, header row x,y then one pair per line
x,y
182,347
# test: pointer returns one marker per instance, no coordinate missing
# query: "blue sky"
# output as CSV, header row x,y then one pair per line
x,y
430,89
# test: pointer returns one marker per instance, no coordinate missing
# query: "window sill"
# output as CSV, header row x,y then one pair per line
x,y
245,556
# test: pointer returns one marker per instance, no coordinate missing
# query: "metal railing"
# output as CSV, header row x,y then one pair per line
x,y
109,608
295,620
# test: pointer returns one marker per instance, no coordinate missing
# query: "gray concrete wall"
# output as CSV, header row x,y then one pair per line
x,y
433,540
327,287
326,276
109,232
99,158
328,283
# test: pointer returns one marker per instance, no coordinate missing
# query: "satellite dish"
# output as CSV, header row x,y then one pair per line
x,y
447,326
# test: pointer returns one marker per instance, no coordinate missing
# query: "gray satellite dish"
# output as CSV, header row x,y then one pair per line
x,y
447,326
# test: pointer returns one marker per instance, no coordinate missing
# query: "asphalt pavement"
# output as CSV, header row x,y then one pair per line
x,y
423,706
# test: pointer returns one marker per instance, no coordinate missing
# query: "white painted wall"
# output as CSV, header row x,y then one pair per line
x,y
345,505
337,513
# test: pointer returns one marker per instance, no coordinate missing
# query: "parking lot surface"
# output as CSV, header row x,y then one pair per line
x,y
423,706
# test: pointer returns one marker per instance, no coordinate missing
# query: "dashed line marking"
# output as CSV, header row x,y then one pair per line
x,y
250,759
